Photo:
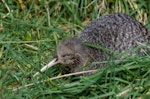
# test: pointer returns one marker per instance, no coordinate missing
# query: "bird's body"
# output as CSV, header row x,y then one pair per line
x,y
117,32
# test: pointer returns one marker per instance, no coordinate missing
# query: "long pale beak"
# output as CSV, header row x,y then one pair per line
x,y
50,64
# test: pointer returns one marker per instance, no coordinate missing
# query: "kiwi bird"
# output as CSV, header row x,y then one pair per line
x,y
117,32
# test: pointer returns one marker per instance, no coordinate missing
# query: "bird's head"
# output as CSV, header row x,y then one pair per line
x,y
71,51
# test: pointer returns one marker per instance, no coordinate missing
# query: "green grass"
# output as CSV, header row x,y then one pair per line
x,y
43,24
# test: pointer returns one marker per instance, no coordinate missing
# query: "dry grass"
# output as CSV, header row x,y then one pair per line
x,y
29,33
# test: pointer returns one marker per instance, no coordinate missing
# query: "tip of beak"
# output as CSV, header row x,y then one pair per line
x,y
50,64
36,74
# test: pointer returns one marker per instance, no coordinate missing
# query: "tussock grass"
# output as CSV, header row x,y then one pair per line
x,y
29,33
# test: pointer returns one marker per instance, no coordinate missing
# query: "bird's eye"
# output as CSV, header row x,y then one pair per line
x,y
66,55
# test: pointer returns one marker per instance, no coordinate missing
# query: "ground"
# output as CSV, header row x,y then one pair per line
x,y
30,32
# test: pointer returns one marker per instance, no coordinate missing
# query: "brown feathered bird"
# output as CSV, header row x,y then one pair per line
x,y
117,32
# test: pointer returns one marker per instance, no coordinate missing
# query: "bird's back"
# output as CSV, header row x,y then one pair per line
x,y
117,32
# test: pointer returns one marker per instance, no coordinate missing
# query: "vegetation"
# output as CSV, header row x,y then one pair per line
x,y
29,33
